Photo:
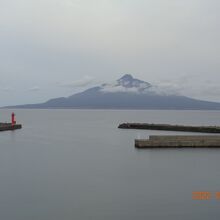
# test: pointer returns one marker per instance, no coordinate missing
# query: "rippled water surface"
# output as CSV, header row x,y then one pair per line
x,y
76,164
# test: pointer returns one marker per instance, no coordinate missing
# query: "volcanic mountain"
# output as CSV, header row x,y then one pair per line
x,y
126,93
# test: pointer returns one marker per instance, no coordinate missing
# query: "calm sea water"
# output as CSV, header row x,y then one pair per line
x,y
76,164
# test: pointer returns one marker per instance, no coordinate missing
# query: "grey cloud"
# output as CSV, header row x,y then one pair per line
x,y
84,81
34,89
115,89
192,86
6,89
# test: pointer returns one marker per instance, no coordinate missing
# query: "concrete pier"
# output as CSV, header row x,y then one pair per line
x,y
179,141
9,126
167,127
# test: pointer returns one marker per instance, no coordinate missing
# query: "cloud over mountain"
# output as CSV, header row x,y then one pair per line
x,y
84,81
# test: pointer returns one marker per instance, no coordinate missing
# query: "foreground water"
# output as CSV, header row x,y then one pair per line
x,y
76,164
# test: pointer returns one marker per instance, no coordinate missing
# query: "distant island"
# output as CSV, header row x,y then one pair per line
x,y
125,93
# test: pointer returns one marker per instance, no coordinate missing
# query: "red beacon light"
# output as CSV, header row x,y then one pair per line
x,y
13,121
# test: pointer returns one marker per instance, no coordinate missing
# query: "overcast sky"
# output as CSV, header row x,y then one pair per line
x,y
52,48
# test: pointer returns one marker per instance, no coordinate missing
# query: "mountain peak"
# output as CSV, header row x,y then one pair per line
x,y
127,77
129,82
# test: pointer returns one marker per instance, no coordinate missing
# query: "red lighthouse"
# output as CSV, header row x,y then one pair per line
x,y
13,121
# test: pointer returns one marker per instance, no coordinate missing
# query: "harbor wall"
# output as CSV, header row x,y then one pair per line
x,y
9,126
167,127
178,141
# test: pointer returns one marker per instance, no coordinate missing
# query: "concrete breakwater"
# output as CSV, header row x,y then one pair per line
x,y
9,126
179,141
167,127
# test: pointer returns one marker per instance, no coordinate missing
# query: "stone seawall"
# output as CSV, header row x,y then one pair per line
x,y
167,127
178,141
9,126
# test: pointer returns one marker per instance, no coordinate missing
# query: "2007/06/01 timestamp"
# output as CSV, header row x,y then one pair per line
x,y
205,195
